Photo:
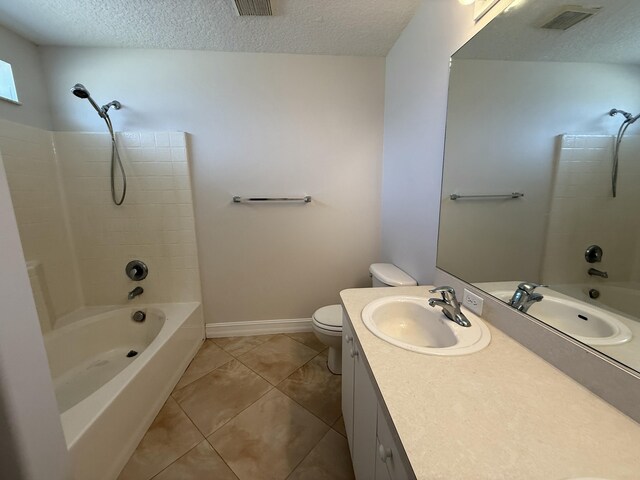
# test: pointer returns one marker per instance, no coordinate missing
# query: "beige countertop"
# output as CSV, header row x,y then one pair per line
x,y
501,413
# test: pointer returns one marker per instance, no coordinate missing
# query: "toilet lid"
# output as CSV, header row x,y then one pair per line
x,y
329,317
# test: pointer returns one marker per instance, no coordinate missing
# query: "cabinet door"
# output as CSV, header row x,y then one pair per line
x,y
347,378
381,469
389,456
365,413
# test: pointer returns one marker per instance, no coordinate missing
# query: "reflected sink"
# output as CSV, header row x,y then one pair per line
x,y
584,322
410,323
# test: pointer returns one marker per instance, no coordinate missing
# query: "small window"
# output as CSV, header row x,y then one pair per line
x,y
7,83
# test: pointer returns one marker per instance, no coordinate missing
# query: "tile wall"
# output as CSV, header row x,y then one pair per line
x,y
68,224
583,211
155,224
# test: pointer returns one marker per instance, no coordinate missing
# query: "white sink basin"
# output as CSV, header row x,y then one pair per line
x,y
410,323
584,322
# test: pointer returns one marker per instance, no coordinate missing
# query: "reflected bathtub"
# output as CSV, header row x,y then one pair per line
x,y
112,375
622,298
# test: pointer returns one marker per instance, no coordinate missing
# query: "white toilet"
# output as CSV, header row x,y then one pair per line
x,y
327,321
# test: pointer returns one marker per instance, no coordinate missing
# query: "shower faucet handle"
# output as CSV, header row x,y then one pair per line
x,y
136,270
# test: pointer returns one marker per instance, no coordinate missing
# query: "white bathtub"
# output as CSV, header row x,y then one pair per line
x,y
108,400
621,297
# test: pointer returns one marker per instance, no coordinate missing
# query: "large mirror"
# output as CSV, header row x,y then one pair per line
x,y
540,132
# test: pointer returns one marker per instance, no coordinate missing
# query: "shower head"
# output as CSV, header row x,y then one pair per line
x,y
80,91
626,115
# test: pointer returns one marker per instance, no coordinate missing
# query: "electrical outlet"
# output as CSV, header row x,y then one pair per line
x,y
472,301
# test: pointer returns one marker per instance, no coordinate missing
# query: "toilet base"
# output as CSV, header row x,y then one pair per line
x,y
334,363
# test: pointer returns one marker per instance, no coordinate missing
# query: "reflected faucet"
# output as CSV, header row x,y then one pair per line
x,y
135,292
524,297
450,305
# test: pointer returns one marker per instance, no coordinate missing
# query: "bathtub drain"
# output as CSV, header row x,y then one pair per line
x,y
132,353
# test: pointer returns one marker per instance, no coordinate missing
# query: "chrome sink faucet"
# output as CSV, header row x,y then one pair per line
x,y
450,305
135,292
524,296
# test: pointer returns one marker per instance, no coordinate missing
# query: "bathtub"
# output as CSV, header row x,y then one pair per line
x,y
623,298
112,375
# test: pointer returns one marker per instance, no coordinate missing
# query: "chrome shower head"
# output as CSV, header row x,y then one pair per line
x,y
80,91
626,115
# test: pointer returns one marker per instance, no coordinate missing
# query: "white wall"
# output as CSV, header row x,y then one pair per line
x,y
32,174
32,446
417,74
260,124
27,71
503,125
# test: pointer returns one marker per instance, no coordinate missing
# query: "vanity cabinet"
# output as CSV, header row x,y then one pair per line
x,y
374,452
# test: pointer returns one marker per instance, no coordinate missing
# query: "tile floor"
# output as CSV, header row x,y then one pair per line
x,y
249,408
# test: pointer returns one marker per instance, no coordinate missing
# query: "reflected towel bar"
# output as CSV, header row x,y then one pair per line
x,y
238,199
455,196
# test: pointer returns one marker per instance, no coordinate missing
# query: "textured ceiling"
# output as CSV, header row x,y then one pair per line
x,y
611,36
336,27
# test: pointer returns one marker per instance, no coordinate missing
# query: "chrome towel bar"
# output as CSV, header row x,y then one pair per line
x,y
239,199
455,196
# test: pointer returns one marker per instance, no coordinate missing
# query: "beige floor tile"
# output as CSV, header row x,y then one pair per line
x,y
309,339
214,399
200,463
170,436
317,389
268,439
329,460
339,426
237,346
209,357
278,358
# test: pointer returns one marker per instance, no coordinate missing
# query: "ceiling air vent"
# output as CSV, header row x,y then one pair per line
x,y
253,7
568,16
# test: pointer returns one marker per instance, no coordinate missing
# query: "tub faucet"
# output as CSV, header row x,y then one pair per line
x,y
597,273
135,292
524,296
450,305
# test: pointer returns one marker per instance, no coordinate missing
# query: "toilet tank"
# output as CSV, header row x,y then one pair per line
x,y
388,275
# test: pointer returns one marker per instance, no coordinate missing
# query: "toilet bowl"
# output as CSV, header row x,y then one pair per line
x,y
327,321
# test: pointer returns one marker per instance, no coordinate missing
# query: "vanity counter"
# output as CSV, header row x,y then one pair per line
x,y
501,413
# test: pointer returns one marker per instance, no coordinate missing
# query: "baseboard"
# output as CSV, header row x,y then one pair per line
x,y
258,327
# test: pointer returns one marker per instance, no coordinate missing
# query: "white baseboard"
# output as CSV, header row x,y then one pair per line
x,y
258,327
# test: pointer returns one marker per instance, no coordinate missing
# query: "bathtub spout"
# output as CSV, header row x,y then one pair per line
x,y
135,292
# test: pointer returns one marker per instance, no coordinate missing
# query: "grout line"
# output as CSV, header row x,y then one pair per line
x,y
298,403
205,435
222,458
308,453
251,349
199,378
302,343
271,387
176,460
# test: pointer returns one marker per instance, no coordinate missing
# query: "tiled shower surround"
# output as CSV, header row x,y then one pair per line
x,y
60,187
584,212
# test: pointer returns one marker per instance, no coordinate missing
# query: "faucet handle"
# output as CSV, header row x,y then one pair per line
x,y
529,287
448,294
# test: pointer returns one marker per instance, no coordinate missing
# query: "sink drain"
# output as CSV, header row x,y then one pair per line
x,y
132,353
